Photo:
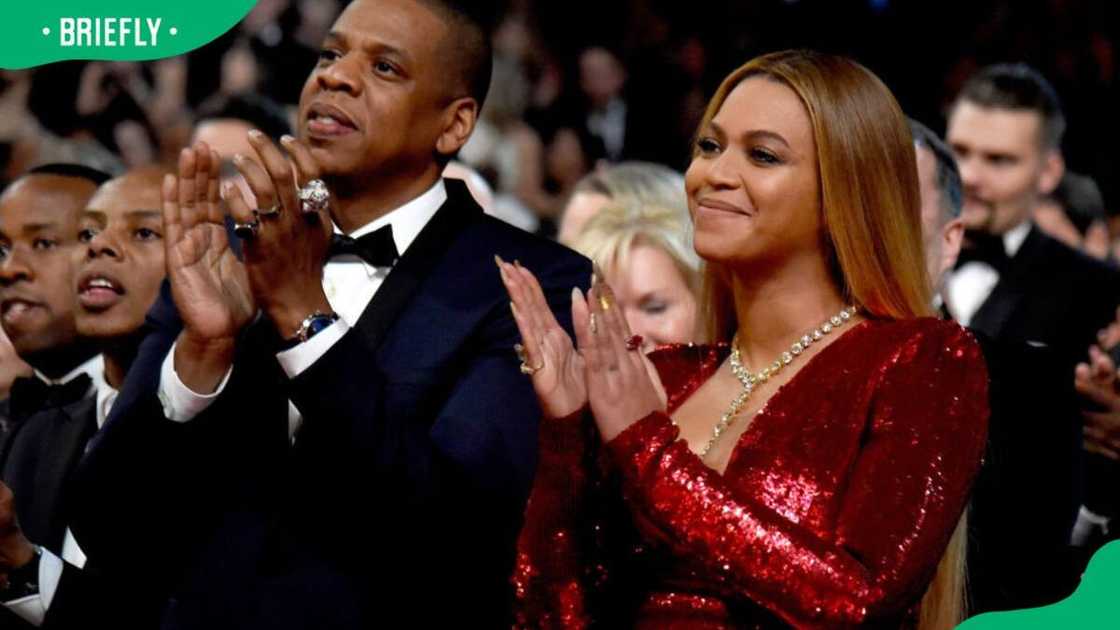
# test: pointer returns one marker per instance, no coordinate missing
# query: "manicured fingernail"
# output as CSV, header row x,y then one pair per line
x,y
238,158
255,134
576,294
513,307
517,263
498,260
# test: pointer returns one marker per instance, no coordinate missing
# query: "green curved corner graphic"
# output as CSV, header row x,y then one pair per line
x,y
44,31
1092,606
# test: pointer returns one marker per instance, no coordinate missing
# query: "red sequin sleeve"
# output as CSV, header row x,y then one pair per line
x,y
902,499
548,580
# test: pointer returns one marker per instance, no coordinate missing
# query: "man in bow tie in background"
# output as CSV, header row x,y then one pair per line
x,y
334,431
39,215
118,253
1013,283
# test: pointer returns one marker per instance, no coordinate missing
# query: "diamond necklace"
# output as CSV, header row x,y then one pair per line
x,y
750,380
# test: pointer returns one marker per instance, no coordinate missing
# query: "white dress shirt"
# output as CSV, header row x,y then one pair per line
x,y
33,608
349,283
967,288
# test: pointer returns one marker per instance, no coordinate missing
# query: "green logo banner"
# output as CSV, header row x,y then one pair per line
x,y
1092,606
44,31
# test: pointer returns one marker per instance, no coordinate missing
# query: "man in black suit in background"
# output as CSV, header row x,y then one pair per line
x,y
119,265
1013,283
362,450
39,214
1027,493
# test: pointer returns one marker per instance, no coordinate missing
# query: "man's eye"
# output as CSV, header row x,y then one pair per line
x,y
146,234
328,55
384,67
86,235
44,244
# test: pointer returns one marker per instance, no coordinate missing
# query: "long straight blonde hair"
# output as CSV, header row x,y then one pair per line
x,y
870,204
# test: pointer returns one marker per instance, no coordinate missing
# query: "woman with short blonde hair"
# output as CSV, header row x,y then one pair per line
x,y
642,242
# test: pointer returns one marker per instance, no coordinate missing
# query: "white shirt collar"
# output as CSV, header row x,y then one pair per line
x,y
106,396
1013,238
409,219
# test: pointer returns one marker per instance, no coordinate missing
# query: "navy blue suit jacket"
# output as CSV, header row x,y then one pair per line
x,y
403,494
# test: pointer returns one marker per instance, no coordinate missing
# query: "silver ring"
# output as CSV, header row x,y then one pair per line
x,y
246,231
314,196
269,213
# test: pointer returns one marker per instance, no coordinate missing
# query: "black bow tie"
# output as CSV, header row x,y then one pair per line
x,y
31,395
376,248
985,248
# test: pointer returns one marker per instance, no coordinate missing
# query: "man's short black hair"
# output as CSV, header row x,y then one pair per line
x,y
948,175
80,171
1018,87
260,112
469,53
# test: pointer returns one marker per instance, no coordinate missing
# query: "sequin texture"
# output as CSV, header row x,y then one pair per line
x,y
835,508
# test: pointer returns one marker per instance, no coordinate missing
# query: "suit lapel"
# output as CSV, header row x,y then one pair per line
x,y
64,434
996,311
417,262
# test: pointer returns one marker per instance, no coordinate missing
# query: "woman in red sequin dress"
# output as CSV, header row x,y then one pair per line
x,y
809,467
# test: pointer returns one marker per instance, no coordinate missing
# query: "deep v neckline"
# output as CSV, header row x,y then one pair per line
x,y
764,411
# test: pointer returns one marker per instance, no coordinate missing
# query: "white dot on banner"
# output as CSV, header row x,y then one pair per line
x,y
46,30
174,31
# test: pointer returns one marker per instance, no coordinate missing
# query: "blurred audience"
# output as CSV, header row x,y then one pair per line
x,y
1075,215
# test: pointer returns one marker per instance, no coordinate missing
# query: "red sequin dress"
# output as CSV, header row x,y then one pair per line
x,y
835,508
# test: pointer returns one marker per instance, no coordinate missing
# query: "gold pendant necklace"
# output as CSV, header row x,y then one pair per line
x,y
749,380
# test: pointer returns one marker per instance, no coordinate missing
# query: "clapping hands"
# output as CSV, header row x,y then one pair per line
x,y
607,371
1098,384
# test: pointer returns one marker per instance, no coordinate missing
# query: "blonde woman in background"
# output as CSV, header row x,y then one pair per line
x,y
644,183
641,239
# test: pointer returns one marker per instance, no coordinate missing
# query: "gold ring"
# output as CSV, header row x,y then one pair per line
x,y
593,324
530,370
269,213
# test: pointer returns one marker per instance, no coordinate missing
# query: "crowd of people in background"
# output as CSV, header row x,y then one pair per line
x,y
588,128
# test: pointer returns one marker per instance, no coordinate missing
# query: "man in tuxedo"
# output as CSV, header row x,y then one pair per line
x,y
334,431
1026,495
119,265
39,214
1013,282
